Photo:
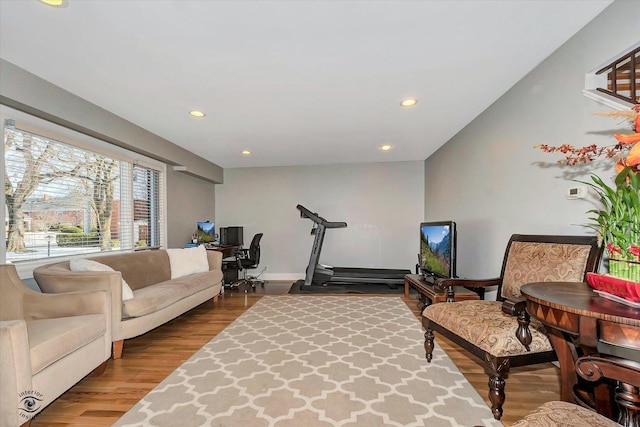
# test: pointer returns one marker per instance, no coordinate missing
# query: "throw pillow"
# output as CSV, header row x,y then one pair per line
x,y
188,261
81,264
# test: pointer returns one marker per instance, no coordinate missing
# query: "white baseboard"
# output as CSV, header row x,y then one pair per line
x,y
282,276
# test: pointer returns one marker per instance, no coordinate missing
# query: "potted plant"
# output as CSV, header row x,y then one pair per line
x,y
618,220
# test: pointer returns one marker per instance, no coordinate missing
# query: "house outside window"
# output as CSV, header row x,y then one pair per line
x,y
70,195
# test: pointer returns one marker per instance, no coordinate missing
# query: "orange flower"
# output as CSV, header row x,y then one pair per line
x,y
633,158
627,138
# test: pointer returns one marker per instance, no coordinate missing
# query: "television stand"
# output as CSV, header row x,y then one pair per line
x,y
428,294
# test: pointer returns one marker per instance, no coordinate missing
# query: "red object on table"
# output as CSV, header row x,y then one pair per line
x,y
615,286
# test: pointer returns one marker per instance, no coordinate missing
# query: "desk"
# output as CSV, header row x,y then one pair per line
x,y
227,251
230,275
570,311
429,294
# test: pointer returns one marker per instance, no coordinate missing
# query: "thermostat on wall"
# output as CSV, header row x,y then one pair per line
x,y
579,192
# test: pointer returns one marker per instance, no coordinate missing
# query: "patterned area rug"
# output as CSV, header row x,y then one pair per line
x,y
315,361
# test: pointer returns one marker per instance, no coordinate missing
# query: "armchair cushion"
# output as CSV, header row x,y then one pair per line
x,y
529,262
483,324
564,414
52,339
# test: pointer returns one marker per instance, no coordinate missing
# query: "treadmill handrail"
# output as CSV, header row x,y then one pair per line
x,y
306,213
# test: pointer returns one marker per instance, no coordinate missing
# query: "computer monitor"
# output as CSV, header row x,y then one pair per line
x,y
206,232
231,236
438,248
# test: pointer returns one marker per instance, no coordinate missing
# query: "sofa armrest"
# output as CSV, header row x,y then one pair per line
x,y
215,260
15,370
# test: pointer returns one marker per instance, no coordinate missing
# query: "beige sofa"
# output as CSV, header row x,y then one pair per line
x,y
157,298
47,344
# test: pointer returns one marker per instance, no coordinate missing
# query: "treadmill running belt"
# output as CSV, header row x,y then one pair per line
x,y
370,272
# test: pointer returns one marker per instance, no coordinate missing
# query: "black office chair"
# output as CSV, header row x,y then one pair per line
x,y
246,259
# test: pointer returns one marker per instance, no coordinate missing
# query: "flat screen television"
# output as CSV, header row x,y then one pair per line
x,y
438,249
206,232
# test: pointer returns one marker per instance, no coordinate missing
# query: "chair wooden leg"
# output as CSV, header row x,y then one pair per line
x,y
215,299
496,395
117,349
628,400
428,344
100,369
498,370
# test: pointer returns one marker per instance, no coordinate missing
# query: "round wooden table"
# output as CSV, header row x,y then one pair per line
x,y
577,318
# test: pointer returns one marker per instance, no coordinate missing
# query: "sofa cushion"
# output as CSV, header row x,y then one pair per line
x,y
188,261
156,297
52,339
140,268
81,264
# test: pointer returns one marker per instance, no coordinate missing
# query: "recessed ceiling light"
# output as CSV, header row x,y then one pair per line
x,y
246,152
53,2
196,113
386,147
409,102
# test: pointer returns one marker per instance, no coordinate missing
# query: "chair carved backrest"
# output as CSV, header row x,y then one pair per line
x,y
539,258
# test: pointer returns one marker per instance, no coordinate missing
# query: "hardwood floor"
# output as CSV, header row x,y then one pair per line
x,y
148,359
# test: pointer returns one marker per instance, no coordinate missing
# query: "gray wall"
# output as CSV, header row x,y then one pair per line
x,y
381,203
493,182
189,200
190,193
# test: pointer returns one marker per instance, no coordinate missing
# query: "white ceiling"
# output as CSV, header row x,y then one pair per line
x,y
295,82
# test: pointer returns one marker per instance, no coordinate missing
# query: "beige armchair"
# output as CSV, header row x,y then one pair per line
x,y
48,342
498,332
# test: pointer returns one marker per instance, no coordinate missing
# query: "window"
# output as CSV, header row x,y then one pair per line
x,y
146,197
67,194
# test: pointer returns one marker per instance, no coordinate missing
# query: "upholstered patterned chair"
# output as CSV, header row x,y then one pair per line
x,y
624,377
489,329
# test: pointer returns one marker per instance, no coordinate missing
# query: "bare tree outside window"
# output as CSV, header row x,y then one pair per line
x,y
42,162
61,199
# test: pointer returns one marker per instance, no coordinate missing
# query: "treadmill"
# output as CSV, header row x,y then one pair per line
x,y
323,275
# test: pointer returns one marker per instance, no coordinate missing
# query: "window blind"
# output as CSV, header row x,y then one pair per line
x,y
146,207
64,199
